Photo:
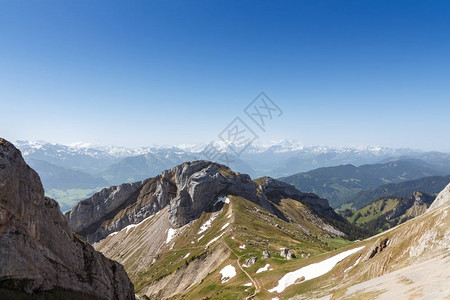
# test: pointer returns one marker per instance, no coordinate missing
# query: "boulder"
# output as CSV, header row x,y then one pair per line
x,y
251,261
266,254
287,254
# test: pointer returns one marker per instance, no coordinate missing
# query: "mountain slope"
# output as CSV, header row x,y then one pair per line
x,y
409,261
40,256
174,233
429,185
338,184
388,212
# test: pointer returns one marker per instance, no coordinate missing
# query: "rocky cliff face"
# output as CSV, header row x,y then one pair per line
x,y
39,252
188,190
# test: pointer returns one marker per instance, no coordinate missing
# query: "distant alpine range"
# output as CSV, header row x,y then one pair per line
x,y
74,172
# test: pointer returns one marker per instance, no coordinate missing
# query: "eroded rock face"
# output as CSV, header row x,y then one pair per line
x,y
188,190
201,182
38,250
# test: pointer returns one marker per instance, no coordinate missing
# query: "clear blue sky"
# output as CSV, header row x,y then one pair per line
x,y
169,72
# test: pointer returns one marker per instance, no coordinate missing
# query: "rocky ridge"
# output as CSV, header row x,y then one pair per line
x,y
187,190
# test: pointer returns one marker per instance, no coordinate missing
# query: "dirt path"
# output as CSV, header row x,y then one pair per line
x,y
254,281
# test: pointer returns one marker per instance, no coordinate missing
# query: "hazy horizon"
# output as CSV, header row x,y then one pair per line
x,y
258,143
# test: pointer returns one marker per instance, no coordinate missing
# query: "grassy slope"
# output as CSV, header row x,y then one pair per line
x,y
375,216
410,243
256,229
250,225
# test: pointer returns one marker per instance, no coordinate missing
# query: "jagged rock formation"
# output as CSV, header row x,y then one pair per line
x,y
39,252
187,190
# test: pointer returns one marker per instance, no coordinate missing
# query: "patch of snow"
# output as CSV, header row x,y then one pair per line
x,y
223,199
135,225
170,234
354,265
248,284
198,240
312,271
113,234
232,237
242,246
276,298
207,224
214,239
225,226
263,269
229,216
186,256
227,272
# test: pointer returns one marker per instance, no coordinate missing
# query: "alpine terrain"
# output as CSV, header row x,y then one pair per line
x,y
202,230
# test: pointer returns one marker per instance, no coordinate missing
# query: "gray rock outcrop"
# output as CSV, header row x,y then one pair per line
x,y
251,261
39,252
188,190
287,254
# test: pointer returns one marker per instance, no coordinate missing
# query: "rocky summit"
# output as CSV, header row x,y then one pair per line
x,y
40,255
186,190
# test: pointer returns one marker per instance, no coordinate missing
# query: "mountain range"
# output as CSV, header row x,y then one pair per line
x,y
340,184
431,185
102,166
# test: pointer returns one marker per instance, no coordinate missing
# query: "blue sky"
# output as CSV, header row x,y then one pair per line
x,y
169,72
